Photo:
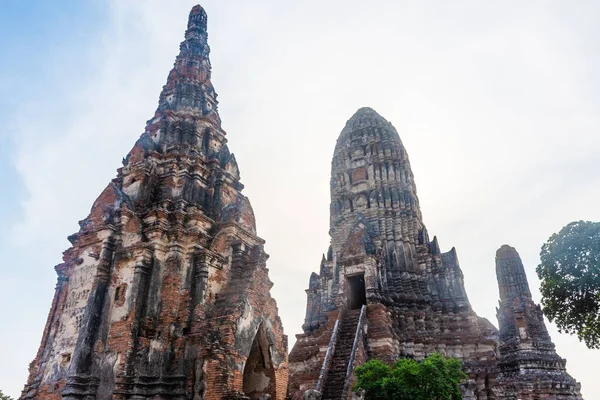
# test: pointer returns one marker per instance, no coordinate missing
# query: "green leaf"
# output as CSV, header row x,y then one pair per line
x,y
569,271
436,377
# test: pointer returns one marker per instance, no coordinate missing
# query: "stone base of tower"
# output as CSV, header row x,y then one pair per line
x,y
307,356
538,385
392,332
234,347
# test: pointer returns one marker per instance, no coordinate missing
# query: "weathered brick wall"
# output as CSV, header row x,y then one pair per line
x,y
529,367
415,295
307,356
165,290
416,301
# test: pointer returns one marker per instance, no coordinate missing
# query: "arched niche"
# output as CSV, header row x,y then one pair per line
x,y
259,373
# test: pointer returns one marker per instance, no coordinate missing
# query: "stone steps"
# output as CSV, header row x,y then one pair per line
x,y
336,376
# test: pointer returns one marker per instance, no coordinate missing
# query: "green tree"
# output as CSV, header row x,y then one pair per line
x,y
435,378
570,273
5,396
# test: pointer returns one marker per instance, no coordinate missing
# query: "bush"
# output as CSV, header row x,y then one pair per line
x,y
435,378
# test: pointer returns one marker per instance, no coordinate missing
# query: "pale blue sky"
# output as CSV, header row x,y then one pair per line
x,y
496,102
36,40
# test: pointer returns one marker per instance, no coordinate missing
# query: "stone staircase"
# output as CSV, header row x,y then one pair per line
x,y
336,377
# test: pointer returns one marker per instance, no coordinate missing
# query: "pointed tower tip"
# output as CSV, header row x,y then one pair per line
x,y
363,117
506,252
313,282
365,112
510,273
197,18
435,246
188,87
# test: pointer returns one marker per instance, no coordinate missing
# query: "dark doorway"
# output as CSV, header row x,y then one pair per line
x,y
357,296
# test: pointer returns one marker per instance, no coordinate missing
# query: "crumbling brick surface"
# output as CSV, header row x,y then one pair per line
x,y
165,290
529,368
415,295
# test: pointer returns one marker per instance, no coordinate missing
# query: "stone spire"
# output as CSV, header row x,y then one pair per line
x,y
529,367
187,122
189,86
165,291
510,273
375,213
370,169
381,256
521,321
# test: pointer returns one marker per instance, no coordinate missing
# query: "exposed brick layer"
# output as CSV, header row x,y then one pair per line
x,y
529,368
415,295
165,290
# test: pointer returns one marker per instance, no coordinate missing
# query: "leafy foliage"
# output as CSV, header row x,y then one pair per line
x,y
5,396
434,378
570,275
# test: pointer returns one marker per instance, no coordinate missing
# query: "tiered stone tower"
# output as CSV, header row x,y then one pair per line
x,y
529,368
381,258
165,292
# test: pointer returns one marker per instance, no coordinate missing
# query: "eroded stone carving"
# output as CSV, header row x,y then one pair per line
x,y
381,255
152,299
529,368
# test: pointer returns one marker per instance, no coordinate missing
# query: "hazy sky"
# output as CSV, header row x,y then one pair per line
x,y
496,102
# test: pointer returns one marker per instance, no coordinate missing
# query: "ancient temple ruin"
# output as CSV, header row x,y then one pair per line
x,y
165,291
385,290
528,367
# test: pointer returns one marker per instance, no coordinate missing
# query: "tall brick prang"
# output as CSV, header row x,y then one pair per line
x,y
529,368
385,290
165,291
381,257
